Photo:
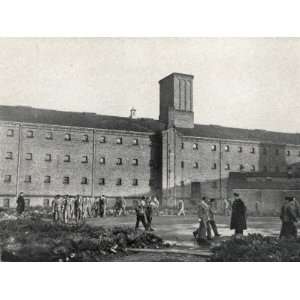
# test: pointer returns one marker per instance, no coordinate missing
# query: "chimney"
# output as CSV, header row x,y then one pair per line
x,y
132,113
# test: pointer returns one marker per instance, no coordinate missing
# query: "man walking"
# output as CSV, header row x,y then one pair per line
x,y
20,203
181,211
140,213
211,216
149,213
238,215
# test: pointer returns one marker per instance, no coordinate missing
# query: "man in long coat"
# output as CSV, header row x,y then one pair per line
x,y
238,215
288,216
20,204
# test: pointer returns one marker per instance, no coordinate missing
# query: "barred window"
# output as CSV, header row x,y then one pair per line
x,y
182,165
288,153
7,178
119,141
119,161
101,181
28,156
264,151
49,135
67,158
181,183
227,167
29,134
66,180
195,165
240,149
182,145
214,148
227,148
214,184
119,181
265,169
9,155
241,167
28,178
102,139
10,132
47,179
277,152
214,166
135,142
102,160
135,162
48,157
252,150
84,180
6,202
46,202
252,168
195,146
68,137
135,182
85,138
84,159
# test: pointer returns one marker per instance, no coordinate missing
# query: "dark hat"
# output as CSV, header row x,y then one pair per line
x,y
235,194
212,199
203,198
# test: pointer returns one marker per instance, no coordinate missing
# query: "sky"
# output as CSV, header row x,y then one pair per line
x,y
245,83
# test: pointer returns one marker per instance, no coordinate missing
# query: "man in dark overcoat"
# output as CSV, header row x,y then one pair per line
x,y
20,204
238,215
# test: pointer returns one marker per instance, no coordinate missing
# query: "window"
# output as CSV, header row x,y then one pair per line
x,y
277,169
227,167
265,169
119,161
182,164
135,142
85,138
298,153
288,153
252,168
181,183
240,149
49,136
214,166
119,181
135,162
46,202
7,178
9,155
151,163
241,167
28,178
48,157
68,137
27,202
84,159
6,202
195,146
135,182
214,184
10,132
102,139
182,145
66,180
195,165
101,181
252,150
102,160
67,158
214,148
119,141
28,156
47,179
227,149
264,151
277,152
29,134
84,180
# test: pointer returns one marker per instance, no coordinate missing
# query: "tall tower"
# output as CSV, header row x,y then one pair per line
x,y
176,100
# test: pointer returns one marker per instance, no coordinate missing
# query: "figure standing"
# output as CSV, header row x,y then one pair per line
x,y
140,213
288,218
238,215
211,217
20,203
149,213
181,211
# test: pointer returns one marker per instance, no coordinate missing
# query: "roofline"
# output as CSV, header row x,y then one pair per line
x,y
177,74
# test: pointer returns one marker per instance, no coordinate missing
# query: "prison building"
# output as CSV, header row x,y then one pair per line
x,y
48,152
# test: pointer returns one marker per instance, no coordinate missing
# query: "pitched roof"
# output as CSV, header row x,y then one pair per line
x,y
91,120
214,131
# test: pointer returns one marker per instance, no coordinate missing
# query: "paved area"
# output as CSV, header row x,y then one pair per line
x,y
179,229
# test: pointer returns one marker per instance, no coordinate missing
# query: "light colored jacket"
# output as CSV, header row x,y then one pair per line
x,y
203,211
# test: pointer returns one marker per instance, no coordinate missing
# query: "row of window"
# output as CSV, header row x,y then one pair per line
x,y
240,149
68,137
6,202
214,166
66,180
67,158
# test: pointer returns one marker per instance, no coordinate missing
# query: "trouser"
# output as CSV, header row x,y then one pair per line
x,y
213,225
181,212
203,232
149,219
140,218
288,230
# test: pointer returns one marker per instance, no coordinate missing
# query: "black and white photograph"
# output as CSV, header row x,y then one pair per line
x,y
149,149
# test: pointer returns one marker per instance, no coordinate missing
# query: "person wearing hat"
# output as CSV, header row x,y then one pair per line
x,y
288,218
20,203
211,216
238,215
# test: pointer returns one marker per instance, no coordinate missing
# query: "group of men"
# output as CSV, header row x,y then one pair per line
x,y
144,208
69,209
